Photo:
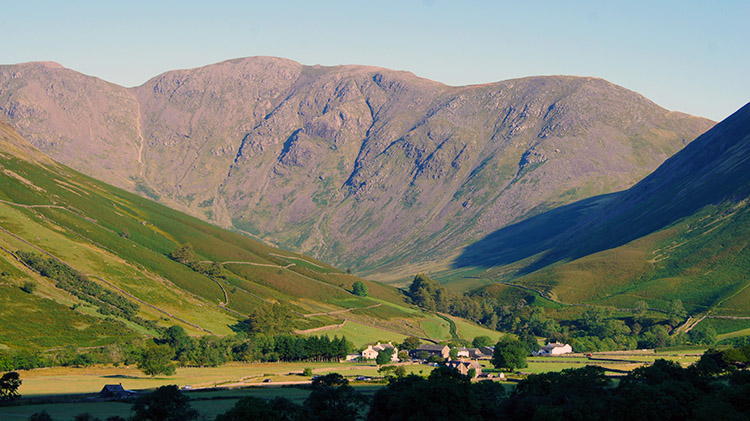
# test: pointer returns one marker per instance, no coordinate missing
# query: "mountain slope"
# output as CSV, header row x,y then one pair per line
x,y
681,233
130,287
366,167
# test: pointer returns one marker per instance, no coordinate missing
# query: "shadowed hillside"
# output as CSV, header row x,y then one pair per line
x,y
682,232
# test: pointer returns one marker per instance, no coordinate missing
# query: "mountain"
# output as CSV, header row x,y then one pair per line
x,y
105,254
683,233
369,168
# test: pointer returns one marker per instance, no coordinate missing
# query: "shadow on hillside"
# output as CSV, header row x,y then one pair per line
x,y
713,169
538,234
120,376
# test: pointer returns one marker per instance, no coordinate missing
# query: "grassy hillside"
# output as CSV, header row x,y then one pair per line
x,y
680,234
121,244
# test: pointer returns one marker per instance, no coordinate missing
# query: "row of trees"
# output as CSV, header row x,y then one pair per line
x,y
68,279
596,330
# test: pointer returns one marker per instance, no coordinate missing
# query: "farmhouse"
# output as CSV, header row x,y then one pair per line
x,y
469,352
555,348
116,391
442,351
464,367
371,352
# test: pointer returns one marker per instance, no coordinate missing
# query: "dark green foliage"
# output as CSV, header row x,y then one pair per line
x,y
252,408
580,394
157,359
291,348
307,372
81,286
384,356
434,358
178,340
29,287
40,416
9,384
332,398
270,319
481,341
166,403
359,289
676,313
510,354
445,394
185,254
410,343
702,335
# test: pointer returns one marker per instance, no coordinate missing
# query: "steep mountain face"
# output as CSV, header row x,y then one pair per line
x,y
680,233
366,167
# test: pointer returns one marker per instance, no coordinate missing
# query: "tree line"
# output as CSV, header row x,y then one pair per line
x,y
597,329
108,303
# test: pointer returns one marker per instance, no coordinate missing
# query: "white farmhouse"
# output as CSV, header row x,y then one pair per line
x,y
371,352
555,348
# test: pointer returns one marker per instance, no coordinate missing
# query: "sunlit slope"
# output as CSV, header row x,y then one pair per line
x,y
122,243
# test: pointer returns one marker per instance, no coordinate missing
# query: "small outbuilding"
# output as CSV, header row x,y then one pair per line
x,y
442,351
116,391
464,367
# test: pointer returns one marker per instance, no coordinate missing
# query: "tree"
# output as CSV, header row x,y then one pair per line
x,y
184,254
332,398
510,354
166,403
410,343
9,384
676,313
307,372
384,356
252,408
702,335
270,319
641,307
481,341
178,340
28,287
157,359
360,289
40,416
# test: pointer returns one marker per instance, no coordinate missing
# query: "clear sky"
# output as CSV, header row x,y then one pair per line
x,y
690,56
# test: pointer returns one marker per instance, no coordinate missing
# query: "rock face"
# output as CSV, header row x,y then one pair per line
x,y
364,167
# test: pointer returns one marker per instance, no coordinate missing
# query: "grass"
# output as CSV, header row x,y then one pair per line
x,y
436,328
361,335
125,239
469,331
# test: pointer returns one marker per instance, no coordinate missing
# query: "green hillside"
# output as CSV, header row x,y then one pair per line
x,y
680,234
109,275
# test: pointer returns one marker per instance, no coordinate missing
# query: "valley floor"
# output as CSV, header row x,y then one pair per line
x,y
66,392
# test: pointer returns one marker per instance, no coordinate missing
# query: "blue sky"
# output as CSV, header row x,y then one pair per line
x,y
690,56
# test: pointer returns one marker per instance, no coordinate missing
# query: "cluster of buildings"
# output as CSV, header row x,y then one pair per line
x,y
465,358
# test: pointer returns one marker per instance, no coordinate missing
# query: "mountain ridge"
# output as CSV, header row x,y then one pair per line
x,y
375,168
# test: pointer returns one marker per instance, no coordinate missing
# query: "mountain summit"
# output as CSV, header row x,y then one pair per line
x,y
366,167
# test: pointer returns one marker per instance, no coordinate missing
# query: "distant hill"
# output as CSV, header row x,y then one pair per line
x,y
683,233
126,285
372,169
